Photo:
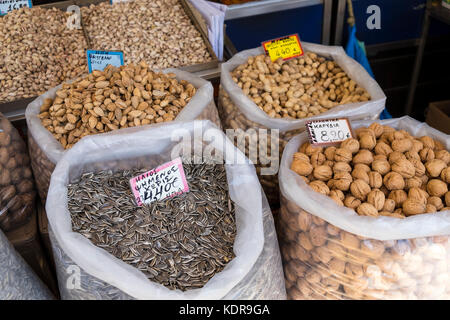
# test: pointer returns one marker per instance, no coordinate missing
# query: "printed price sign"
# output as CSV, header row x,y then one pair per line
x,y
98,60
117,1
10,5
166,181
286,47
328,132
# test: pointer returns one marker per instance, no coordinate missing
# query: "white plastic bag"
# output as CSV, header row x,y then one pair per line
x,y
238,111
45,150
17,279
255,272
360,257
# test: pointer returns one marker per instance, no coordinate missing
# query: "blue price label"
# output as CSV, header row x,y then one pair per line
x,y
98,60
10,5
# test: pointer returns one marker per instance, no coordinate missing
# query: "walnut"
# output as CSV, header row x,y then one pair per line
x,y
343,155
418,194
414,182
438,145
445,175
377,128
310,150
394,181
404,167
389,205
338,193
317,159
413,206
301,156
383,148
430,208
341,167
330,184
381,166
424,179
362,166
363,156
443,155
320,186
351,202
428,142
379,157
323,173
329,163
366,209
391,214
303,147
436,202
367,141
395,135
342,180
436,187
329,153
375,180
417,145
387,129
301,167
410,155
359,173
362,131
402,145
447,199
305,179
351,144
434,167
426,154
376,198
359,189
394,156
399,196
418,165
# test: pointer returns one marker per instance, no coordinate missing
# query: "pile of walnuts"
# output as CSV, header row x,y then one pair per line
x,y
384,172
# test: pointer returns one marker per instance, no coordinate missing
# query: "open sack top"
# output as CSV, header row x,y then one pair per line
x,y
54,150
156,141
361,110
295,189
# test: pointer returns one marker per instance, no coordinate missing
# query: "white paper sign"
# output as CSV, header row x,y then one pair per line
x,y
99,60
329,131
10,5
166,181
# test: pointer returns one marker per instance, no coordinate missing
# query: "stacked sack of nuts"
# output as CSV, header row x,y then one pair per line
x,y
109,100
17,191
257,93
368,218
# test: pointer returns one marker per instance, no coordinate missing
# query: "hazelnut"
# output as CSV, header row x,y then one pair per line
x,y
414,182
377,128
375,180
366,209
426,154
430,208
341,167
436,202
443,155
319,186
428,142
445,175
301,156
301,167
404,167
351,202
329,153
317,159
436,188
418,194
342,180
363,156
359,173
359,189
418,165
323,173
399,196
389,205
381,166
343,155
402,145
394,156
413,206
394,181
351,144
367,141
434,167
376,198
383,148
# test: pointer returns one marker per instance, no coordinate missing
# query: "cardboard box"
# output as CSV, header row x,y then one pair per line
x,y
438,116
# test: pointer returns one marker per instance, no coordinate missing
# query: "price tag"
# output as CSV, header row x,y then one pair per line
x,y
166,181
10,5
98,60
117,1
329,131
285,47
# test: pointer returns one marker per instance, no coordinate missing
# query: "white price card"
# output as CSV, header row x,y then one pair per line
x,y
329,131
166,181
99,60
117,1
10,5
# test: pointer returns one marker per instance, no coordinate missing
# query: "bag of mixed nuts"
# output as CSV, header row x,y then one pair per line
x,y
188,247
105,101
17,279
368,237
324,83
17,192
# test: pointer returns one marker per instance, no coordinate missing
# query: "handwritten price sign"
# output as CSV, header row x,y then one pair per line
x,y
99,60
328,132
10,5
286,47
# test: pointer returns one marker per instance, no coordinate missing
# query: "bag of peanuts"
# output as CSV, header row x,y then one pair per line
x,y
17,280
324,83
176,256
371,219
115,98
17,192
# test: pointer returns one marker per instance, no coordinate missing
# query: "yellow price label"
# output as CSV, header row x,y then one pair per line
x,y
285,47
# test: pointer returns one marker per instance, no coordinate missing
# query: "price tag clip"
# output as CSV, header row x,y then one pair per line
x,y
328,132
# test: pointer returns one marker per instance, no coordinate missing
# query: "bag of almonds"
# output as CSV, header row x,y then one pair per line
x,y
324,83
369,218
17,192
17,280
216,241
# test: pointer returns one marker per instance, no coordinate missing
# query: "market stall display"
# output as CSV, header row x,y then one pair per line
x,y
103,101
252,270
325,83
17,190
371,219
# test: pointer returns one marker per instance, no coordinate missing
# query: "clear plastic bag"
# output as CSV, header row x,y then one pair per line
x,y
237,111
330,252
45,150
17,279
255,272
17,192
